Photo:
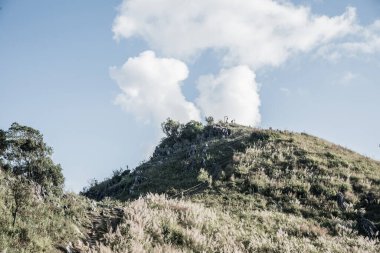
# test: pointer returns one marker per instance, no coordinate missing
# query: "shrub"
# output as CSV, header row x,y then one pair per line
x,y
204,177
191,130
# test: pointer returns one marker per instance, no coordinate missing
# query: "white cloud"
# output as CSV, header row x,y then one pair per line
x,y
232,93
366,40
254,32
249,34
151,88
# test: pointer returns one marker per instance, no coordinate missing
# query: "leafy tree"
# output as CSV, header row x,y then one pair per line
x,y
209,120
171,128
191,130
27,155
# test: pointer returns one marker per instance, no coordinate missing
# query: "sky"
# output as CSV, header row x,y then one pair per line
x,y
98,77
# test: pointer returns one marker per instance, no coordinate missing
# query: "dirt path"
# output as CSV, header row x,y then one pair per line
x,y
104,221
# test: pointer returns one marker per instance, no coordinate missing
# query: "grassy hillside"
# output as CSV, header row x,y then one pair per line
x,y
40,225
35,214
265,183
215,188
157,223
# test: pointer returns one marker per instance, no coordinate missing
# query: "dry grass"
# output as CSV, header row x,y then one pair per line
x,y
265,191
156,223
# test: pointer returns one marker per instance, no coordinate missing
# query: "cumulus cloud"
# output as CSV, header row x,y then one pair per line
x,y
233,92
255,32
249,34
151,88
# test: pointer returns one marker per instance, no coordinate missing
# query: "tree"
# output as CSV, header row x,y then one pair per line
x,y
171,128
3,145
27,155
191,130
209,120
20,192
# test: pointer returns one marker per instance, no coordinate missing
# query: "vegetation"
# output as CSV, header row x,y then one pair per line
x,y
221,187
24,153
31,195
267,182
157,223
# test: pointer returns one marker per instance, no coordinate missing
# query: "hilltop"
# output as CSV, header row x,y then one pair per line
x,y
270,182
219,187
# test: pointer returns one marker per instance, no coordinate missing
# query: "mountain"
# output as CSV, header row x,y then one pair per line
x,y
275,189
220,187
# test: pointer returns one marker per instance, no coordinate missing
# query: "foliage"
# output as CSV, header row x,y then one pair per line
x,y
204,177
26,154
209,120
269,191
32,219
269,171
21,196
3,145
191,130
171,128
174,130
40,225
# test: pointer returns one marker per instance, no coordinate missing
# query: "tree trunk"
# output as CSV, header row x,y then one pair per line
x,y
14,214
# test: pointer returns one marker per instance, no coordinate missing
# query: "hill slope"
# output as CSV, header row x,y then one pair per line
x,y
215,188
267,183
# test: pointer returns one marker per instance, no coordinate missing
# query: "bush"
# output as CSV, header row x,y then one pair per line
x,y
204,177
191,130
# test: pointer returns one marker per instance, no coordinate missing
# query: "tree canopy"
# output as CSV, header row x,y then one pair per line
x,y
171,128
24,152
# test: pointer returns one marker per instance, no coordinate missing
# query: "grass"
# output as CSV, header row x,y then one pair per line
x,y
41,225
255,191
157,223
275,174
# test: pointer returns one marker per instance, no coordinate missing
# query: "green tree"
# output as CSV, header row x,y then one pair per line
x,y
171,128
27,155
191,130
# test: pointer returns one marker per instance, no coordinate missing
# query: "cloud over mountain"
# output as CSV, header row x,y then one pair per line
x,y
233,92
244,35
151,88
255,32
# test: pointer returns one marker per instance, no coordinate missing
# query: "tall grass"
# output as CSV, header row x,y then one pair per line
x,y
156,223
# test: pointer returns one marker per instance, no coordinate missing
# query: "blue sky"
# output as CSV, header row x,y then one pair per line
x,y
55,60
